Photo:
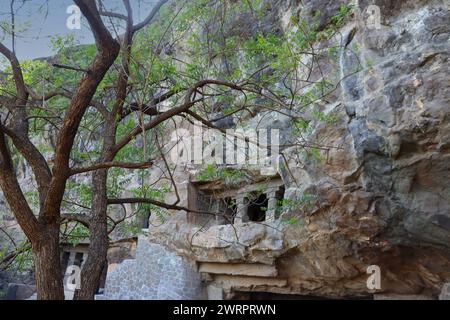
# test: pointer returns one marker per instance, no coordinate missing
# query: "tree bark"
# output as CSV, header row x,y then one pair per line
x,y
92,271
48,265
43,232
98,240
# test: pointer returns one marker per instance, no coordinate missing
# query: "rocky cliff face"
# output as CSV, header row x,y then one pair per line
x,y
384,197
382,194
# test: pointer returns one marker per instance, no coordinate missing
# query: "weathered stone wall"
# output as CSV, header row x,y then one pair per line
x,y
155,274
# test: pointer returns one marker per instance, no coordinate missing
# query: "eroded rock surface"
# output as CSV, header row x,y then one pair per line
x,y
383,193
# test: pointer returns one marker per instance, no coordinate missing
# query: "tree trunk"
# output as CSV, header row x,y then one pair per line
x,y
98,241
48,266
92,272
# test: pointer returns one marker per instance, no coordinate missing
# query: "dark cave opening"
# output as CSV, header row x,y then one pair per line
x,y
256,210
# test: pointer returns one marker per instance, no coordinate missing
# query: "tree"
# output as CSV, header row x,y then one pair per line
x,y
224,75
43,231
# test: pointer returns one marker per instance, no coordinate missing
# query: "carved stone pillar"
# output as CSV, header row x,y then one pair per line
x,y
272,204
241,210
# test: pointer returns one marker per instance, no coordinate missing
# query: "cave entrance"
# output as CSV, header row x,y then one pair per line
x,y
257,208
143,218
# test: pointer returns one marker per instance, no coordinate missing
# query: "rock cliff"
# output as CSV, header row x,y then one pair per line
x,y
381,193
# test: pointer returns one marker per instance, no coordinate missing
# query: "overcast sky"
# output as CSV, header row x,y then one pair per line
x,y
45,19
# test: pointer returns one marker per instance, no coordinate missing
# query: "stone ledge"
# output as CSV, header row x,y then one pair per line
x,y
228,281
240,269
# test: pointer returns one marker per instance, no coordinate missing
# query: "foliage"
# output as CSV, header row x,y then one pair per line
x,y
23,259
293,221
77,234
306,201
228,175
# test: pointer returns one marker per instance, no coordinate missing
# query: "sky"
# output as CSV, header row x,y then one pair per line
x,y
38,21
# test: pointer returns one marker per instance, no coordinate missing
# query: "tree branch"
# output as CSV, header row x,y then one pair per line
x,y
150,17
153,123
17,73
150,108
106,165
108,50
188,103
34,158
61,66
13,192
113,15
158,204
